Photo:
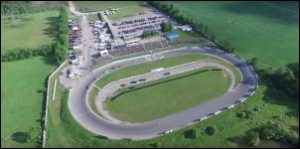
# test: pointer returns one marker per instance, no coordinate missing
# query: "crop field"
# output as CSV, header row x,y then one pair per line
x,y
266,30
28,31
22,93
168,96
125,8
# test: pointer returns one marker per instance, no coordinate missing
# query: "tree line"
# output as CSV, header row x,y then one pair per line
x,y
199,27
166,27
25,53
61,44
285,79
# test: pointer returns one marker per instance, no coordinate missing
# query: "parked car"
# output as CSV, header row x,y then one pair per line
x,y
166,73
133,82
143,79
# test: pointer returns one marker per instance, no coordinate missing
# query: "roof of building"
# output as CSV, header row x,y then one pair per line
x,y
186,27
172,34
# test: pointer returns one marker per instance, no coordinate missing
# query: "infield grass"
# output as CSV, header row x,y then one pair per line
x,y
182,91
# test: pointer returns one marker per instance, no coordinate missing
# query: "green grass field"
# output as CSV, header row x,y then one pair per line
x,y
93,17
125,7
266,30
31,31
182,92
23,82
22,87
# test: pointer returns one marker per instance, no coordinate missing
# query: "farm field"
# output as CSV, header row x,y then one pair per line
x,y
125,8
268,31
22,88
30,31
168,96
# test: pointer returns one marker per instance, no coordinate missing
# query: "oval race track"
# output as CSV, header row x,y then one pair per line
x,y
81,112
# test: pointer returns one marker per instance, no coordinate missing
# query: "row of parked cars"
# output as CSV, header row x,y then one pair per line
x,y
134,82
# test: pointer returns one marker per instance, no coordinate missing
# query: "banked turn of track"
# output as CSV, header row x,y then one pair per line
x,y
83,114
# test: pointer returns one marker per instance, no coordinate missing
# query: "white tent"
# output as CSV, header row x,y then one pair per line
x,y
185,27
75,28
104,52
75,47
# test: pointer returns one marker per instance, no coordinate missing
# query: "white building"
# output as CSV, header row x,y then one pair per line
x,y
104,52
185,28
73,73
75,28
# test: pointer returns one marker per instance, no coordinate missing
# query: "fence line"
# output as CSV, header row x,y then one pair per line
x,y
46,109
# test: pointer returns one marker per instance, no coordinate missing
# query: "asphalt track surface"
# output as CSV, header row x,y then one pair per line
x,y
83,114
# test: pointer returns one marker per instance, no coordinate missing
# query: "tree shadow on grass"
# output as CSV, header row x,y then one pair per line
x,y
101,137
295,128
40,91
237,140
274,96
273,11
49,59
21,137
188,134
51,30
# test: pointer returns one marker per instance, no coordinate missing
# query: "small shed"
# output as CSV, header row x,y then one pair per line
x,y
73,73
75,28
172,35
186,28
104,52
